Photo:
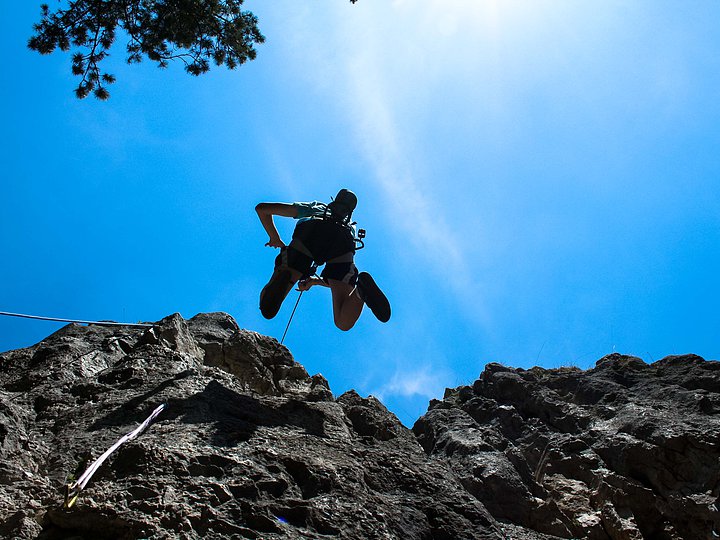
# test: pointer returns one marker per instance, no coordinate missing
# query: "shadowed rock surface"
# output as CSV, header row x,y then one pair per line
x,y
625,450
251,446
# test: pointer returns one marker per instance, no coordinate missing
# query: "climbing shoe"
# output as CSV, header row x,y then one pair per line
x,y
373,296
273,294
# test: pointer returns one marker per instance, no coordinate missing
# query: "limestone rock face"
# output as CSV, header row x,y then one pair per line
x,y
248,446
623,451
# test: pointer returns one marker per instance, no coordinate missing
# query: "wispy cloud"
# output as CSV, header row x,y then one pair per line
x,y
384,81
385,78
424,381
397,170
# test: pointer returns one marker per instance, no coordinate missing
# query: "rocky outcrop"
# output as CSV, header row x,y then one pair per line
x,y
248,446
626,450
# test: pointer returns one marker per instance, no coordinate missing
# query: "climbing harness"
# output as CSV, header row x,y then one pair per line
x,y
72,490
359,245
99,323
342,219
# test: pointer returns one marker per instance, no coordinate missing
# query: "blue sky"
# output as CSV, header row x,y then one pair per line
x,y
538,181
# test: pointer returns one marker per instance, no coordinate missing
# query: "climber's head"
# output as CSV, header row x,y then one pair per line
x,y
343,205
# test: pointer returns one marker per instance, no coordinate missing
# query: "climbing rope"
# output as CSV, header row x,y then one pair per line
x,y
311,273
72,490
291,317
100,323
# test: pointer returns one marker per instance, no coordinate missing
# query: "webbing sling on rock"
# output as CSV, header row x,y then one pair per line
x,y
72,490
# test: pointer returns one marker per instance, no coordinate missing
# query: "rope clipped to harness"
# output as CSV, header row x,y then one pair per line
x,y
72,490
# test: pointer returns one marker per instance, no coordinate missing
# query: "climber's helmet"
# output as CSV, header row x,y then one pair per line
x,y
343,204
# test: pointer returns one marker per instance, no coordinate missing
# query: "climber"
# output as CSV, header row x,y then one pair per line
x,y
324,235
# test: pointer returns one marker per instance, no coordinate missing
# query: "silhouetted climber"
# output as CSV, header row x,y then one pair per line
x,y
324,235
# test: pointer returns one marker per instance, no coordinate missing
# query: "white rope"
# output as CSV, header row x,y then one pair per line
x,y
102,323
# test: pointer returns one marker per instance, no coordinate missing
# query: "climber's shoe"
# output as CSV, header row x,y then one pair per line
x,y
373,296
273,294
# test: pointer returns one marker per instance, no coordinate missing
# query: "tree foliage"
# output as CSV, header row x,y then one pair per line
x,y
197,32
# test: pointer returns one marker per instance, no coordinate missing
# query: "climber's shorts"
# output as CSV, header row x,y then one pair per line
x,y
321,242
341,270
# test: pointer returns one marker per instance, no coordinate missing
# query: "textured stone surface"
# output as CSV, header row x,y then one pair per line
x,y
249,445
625,450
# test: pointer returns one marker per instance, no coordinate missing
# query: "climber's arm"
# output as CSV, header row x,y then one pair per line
x,y
266,211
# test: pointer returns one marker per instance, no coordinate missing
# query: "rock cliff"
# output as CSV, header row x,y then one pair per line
x,y
250,446
623,451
